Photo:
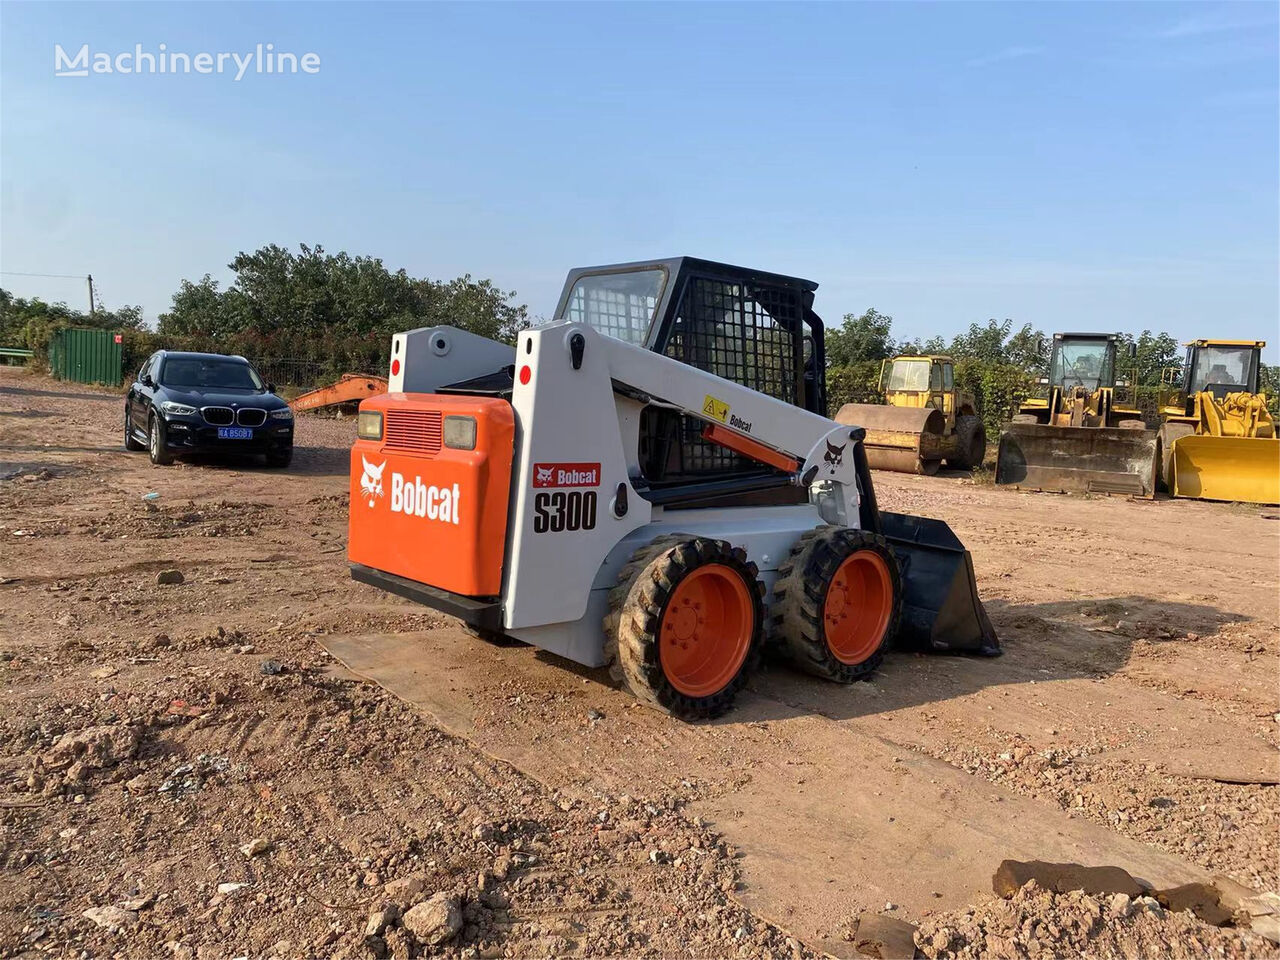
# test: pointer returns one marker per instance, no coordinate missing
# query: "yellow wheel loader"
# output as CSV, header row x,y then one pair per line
x,y
924,420
1218,439
651,483
1078,435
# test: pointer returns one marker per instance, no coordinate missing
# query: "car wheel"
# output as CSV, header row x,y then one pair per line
x,y
156,446
130,441
280,458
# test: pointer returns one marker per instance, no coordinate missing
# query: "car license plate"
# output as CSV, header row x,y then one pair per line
x,y
235,433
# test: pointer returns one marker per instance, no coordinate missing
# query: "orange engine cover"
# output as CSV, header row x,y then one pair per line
x,y
428,512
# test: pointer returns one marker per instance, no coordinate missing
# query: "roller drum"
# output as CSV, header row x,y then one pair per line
x,y
901,439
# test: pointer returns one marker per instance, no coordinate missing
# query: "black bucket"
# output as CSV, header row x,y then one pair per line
x,y
940,608
1106,460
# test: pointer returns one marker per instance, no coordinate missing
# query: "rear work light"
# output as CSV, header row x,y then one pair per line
x,y
460,433
369,425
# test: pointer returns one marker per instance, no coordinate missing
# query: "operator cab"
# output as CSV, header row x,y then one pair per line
x,y
1085,360
755,328
1221,367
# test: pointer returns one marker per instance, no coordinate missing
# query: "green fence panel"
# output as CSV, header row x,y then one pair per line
x,y
87,355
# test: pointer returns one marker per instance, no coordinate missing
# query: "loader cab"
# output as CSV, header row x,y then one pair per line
x,y
1086,360
1222,366
755,328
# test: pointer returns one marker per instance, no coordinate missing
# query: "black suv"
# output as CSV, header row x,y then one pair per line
x,y
205,403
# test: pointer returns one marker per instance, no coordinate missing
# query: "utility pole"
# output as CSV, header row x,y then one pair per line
x,y
91,296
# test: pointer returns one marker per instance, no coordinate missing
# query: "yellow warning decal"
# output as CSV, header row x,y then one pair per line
x,y
715,409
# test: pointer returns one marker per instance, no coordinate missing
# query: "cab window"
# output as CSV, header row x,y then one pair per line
x,y
935,377
909,375
948,377
620,305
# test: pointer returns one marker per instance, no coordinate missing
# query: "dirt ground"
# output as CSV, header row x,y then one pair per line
x,y
149,731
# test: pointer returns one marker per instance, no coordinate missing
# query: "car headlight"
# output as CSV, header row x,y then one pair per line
x,y
284,413
369,425
177,409
460,433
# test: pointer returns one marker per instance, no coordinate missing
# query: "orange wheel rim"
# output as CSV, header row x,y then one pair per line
x,y
859,601
706,630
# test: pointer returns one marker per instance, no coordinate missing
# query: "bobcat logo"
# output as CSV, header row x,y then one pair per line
x,y
371,482
544,474
834,457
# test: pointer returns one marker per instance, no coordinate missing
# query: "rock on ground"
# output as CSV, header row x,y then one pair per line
x,y
434,921
1036,924
87,751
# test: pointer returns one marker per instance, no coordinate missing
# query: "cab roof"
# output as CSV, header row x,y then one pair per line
x,y
1257,344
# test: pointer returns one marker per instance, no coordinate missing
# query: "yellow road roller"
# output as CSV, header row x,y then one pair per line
x,y
924,421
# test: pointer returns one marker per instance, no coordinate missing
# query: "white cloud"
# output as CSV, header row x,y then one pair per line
x,y
1217,22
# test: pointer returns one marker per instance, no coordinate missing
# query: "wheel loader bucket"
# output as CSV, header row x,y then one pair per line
x,y
940,610
1084,459
902,439
1227,468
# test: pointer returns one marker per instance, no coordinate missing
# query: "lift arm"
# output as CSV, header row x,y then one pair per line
x,y
817,451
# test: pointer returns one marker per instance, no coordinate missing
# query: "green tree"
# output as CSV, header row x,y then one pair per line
x,y
1154,352
31,323
860,339
334,310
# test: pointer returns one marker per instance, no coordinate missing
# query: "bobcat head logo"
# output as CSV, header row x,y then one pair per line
x,y
371,482
834,457
544,474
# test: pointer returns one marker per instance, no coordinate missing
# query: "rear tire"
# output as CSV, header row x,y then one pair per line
x,y
156,445
130,442
837,603
971,443
686,625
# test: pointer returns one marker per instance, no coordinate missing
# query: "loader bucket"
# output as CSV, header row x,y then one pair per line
x,y
901,439
1227,468
1085,459
940,609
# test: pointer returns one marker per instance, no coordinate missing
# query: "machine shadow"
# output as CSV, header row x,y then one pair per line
x,y
308,461
58,394
1042,642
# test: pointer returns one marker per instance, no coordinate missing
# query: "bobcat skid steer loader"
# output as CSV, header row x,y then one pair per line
x,y
650,482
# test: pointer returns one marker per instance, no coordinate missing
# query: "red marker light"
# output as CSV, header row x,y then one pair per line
x,y
395,367
525,374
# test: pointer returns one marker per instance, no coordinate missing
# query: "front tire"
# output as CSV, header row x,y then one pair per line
x,y
971,443
1170,434
837,603
280,459
130,441
157,440
686,625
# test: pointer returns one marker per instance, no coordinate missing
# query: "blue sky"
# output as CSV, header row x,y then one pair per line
x,y
1075,166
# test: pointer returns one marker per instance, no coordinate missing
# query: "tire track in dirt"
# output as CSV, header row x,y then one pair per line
x,y
868,821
